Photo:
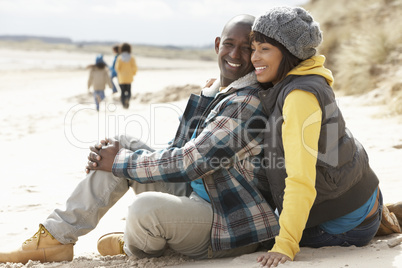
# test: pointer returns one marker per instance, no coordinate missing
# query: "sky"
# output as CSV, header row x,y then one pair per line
x,y
155,22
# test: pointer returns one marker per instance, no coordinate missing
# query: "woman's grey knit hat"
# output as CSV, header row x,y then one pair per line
x,y
293,27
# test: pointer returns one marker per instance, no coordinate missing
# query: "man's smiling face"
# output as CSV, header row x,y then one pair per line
x,y
233,49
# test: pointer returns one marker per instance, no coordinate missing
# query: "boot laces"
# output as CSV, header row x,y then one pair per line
x,y
42,230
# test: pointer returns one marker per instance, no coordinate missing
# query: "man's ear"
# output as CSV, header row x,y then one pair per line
x,y
217,43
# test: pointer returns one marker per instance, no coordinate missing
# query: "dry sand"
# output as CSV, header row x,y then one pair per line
x,y
48,121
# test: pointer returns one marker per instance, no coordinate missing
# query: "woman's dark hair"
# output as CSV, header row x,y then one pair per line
x,y
125,48
288,62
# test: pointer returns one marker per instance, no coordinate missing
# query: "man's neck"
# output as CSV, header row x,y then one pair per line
x,y
225,82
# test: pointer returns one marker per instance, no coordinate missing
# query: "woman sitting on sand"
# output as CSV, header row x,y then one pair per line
x,y
326,192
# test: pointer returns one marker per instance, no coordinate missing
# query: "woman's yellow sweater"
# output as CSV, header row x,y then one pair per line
x,y
300,133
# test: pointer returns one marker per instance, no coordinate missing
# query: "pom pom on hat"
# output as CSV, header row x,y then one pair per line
x,y
293,27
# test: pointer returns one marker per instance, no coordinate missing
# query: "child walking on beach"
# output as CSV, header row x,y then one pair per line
x,y
99,78
126,69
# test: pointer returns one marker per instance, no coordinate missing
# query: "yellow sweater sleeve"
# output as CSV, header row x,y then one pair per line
x,y
300,134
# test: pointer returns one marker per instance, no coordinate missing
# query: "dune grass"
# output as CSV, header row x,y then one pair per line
x,y
363,44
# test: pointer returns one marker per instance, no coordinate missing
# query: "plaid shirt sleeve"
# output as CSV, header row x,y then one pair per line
x,y
230,133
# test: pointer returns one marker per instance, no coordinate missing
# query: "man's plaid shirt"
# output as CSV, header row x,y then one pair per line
x,y
226,153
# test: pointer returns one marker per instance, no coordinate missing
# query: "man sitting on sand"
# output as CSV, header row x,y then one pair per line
x,y
204,196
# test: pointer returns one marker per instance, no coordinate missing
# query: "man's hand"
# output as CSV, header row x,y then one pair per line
x,y
102,155
272,259
94,154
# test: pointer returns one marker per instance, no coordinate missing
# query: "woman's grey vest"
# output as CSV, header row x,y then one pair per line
x,y
344,179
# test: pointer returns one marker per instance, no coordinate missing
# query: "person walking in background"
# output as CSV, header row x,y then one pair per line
x,y
112,69
99,78
126,69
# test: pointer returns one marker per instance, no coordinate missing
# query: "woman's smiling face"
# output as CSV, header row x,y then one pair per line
x,y
266,59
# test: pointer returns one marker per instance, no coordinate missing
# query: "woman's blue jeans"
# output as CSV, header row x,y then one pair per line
x,y
360,236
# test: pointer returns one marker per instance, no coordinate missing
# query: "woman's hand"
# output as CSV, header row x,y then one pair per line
x,y
272,259
209,82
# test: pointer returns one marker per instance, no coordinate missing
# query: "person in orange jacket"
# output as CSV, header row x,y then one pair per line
x,y
126,69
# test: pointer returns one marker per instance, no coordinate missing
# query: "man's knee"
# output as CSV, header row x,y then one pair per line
x,y
132,143
125,141
145,206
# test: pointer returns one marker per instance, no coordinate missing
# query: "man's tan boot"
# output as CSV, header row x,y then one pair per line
x,y
41,247
111,244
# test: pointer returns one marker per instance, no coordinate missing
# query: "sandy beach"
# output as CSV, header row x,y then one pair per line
x,y
48,121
